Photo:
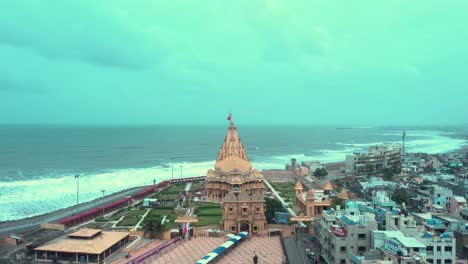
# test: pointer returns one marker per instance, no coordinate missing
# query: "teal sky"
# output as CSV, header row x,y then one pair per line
x,y
272,62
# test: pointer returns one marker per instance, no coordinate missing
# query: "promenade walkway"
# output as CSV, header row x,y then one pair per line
x,y
34,222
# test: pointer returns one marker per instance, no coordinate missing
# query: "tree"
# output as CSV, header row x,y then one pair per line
x,y
397,198
388,174
320,172
337,201
272,206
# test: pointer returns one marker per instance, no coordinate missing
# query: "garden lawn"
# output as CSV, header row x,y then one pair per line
x,y
129,221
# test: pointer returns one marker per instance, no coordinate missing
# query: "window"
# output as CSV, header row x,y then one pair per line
x,y
429,248
438,195
244,210
384,222
233,228
343,261
416,249
448,261
343,249
230,209
430,260
448,248
439,248
255,228
362,236
362,249
439,261
258,209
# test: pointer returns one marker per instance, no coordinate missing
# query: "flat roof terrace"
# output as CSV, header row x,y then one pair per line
x,y
90,245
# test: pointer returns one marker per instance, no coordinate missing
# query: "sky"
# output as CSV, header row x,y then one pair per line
x,y
309,62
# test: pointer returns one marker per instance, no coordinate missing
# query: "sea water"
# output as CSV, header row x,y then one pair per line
x,y
38,163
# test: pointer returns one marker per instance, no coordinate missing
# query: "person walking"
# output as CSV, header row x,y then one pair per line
x,y
255,259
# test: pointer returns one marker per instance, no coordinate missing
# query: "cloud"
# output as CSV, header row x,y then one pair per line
x,y
10,85
83,34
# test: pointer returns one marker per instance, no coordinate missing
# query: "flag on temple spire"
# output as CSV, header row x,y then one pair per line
x,y
229,117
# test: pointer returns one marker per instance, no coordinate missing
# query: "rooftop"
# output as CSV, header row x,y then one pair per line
x,y
408,242
85,233
96,245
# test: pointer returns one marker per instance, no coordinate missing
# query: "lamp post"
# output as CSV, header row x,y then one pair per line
x,y
181,171
103,191
77,177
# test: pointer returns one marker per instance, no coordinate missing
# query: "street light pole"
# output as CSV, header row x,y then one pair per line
x,y
103,191
181,171
172,164
77,177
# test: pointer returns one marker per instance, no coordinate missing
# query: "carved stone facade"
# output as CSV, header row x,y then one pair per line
x,y
313,202
239,187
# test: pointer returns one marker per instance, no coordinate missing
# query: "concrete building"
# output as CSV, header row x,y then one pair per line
x,y
441,196
381,199
83,246
456,202
397,247
345,234
239,187
376,160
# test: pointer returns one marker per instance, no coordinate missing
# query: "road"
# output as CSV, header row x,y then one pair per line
x,y
32,223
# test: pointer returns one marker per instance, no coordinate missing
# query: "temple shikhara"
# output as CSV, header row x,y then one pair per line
x,y
237,185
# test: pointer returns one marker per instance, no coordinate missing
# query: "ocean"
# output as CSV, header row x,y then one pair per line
x,y
38,163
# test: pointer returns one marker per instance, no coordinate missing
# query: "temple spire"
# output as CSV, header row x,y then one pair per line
x,y
232,153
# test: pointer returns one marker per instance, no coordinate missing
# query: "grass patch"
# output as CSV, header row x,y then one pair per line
x,y
133,213
208,220
100,219
209,211
160,212
208,214
283,186
129,221
285,190
208,205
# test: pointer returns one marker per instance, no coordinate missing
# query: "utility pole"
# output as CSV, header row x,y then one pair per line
x,y
103,191
77,177
403,141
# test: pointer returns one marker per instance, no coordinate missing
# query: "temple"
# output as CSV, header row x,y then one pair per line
x,y
314,201
239,187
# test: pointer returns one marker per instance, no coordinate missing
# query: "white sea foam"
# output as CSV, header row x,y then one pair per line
x,y
23,198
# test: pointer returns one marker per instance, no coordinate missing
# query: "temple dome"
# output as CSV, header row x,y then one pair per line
x,y
343,195
299,186
328,187
310,194
233,163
